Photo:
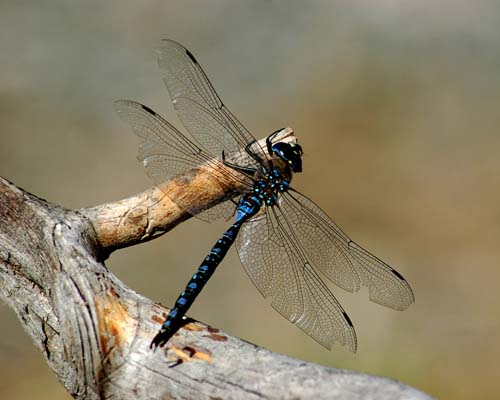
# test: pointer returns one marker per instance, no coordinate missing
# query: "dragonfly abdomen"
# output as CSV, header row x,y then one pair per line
x,y
247,208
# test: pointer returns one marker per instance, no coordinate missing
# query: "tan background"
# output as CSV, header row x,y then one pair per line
x,y
396,104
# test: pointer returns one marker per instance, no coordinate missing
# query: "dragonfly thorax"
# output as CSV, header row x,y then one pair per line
x,y
265,192
269,186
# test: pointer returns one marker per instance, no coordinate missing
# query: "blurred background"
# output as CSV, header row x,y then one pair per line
x,y
396,104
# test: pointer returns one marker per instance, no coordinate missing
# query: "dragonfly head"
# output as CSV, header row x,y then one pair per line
x,y
291,153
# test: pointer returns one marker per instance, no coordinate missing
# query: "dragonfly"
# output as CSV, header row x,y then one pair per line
x,y
286,243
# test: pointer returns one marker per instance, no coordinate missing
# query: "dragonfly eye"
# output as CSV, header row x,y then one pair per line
x,y
290,153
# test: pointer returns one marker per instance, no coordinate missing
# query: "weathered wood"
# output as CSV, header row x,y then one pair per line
x,y
95,332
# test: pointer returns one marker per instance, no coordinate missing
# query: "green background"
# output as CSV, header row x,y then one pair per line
x,y
396,104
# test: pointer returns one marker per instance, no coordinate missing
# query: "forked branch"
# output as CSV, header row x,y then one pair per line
x,y
95,332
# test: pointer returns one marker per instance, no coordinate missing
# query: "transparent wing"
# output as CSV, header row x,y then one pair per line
x,y
166,152
340,259
274,262
198,105
224,210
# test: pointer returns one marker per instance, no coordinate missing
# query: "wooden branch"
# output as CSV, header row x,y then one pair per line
x,y
152,213
95,332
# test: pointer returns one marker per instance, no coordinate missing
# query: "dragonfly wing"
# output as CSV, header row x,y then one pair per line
x,y
340,259
273,261
224,210
199,106
166,152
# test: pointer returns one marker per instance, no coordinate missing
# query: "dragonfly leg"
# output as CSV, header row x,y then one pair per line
x,y
269,141
244,170
252,154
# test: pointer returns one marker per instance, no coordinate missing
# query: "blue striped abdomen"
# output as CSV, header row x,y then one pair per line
x,y
247,208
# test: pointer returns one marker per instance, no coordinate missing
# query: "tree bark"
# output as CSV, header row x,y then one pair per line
x,y
95,332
